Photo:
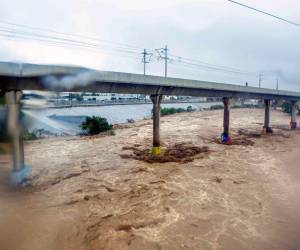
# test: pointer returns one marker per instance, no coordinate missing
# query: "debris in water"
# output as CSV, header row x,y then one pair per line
x,y
217,179
180,152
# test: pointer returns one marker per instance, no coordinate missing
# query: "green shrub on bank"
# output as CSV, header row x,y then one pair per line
x,y
29,136
190,109
35,134
95,125
171,111
287,107
216,107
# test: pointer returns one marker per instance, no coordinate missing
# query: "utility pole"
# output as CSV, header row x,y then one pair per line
x,y
259,80
277,84
146,59
163,54
166,61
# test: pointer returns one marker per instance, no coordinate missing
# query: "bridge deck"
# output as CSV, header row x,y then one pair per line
x,y
69,78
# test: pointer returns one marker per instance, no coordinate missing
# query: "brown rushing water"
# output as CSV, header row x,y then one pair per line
x,y
84,195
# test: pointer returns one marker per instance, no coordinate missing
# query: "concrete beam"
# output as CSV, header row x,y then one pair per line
x,y
19,172
156,100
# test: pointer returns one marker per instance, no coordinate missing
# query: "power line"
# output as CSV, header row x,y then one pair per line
x,y
66,40
21,26
265,13
61,41
211,66
26,34
67,45
197,74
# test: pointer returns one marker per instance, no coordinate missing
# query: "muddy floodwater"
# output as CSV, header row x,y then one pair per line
x,y
104,192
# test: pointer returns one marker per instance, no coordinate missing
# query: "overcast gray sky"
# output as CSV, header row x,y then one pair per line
x,y
213,31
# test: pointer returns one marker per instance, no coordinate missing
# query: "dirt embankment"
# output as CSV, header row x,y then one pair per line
x,y
110,193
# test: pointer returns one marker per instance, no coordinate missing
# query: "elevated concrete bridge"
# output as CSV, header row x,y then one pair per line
x,y
16,77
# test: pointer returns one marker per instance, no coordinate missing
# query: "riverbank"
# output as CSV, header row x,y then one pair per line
x,y
84,195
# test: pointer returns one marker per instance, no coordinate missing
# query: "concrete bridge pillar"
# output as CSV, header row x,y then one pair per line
x,y
156,100
293,123
19,172
267,129
225,138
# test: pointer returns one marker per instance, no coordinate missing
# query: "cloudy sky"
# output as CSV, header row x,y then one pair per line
x,y
216,32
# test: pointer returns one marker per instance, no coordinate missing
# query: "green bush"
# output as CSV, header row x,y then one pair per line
x,y
287,107
95,125
216,107
28,136
171,111
190,109
35,134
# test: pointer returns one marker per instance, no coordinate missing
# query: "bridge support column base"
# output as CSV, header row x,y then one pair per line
x,y
226,139
293,125
267,130
20,177
156,150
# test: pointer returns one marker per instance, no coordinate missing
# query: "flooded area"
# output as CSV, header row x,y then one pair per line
x,y
85,194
